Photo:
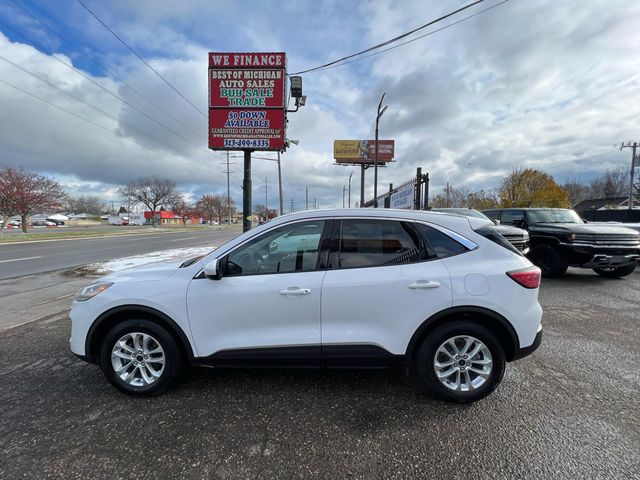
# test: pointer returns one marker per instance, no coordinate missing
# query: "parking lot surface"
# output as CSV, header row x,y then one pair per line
x,y
568,411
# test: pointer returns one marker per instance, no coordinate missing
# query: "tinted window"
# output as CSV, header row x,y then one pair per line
x,y
510,216
286,249
441,244
374,243
492,234
492,214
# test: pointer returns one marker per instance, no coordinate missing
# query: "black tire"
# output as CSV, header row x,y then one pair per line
x,y
424,360
552,263
616,272
160,337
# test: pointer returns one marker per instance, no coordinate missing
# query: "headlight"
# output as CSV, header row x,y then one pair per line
x,y
91,291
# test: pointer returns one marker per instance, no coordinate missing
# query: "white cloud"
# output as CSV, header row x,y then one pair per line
x,y
542,84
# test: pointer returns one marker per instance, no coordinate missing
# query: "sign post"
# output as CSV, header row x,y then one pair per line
x,y
247,108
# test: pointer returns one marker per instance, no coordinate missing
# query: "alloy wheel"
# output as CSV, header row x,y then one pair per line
x,y
462,363
138,359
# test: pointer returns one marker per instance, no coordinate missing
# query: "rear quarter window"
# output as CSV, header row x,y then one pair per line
x,y
492,234
439,243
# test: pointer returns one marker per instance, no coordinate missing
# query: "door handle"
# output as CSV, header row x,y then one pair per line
x,y
424,284
295,291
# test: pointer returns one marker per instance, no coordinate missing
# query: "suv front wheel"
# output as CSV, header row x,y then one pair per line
x,y
139,357
460,361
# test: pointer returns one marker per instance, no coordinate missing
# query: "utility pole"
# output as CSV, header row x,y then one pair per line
x,y
350,174
246,193
228,172
375,156
266,198
633,147
291,210
306,198
280,186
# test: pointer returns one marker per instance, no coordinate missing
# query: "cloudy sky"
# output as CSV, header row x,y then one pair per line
x,y
545,84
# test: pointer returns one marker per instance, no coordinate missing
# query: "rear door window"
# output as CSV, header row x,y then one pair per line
x,y
376,243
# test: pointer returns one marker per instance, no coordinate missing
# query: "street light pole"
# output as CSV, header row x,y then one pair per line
x,y
350,174
375,156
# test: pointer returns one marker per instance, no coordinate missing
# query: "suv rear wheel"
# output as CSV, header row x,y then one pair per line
x,y
460,361
549,260
139,357
616,272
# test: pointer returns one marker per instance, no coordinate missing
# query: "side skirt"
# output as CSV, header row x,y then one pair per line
x,y
329,356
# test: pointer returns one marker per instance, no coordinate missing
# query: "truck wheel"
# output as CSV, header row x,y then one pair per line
x,y
616,272
549,260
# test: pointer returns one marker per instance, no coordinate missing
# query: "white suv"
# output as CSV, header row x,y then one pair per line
x,y
444,296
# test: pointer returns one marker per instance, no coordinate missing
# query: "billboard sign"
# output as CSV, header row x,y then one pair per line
x,y
363,151
403,197
247,107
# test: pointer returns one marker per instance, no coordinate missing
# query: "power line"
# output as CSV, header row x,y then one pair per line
x,y
419,37
143,60
78,99
79,72
102,67
87,120
387,42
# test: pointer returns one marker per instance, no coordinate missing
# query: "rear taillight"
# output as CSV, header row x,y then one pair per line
x,y
527,277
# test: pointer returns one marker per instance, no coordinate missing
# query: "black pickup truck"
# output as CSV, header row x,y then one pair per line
x,y
559,238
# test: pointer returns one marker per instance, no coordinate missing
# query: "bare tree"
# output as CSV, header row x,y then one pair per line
x,y
86,204
24,192
182,209
152,192
576,190
612,183
208,206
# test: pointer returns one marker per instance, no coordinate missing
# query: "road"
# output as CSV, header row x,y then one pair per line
x,y
37,257
568,411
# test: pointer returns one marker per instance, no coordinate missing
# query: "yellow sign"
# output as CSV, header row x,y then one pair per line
x,y
350,149
362,151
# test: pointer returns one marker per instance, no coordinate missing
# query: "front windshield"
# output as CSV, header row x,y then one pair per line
x,y
553,216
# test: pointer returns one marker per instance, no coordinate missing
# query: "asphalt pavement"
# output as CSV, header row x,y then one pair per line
x,y
18,259
568,411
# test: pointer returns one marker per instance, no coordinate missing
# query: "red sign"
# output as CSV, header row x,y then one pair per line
x,y
247,101
260,88
246,129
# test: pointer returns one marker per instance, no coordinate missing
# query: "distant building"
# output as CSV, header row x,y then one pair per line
x,y
610,203
165,217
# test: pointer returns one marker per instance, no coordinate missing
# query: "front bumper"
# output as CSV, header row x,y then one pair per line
x,y
524,351
594,256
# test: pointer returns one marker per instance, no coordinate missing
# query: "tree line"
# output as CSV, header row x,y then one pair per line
x,y
528,187
24,193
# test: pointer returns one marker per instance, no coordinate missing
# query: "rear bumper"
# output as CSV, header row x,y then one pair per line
x,y
524,351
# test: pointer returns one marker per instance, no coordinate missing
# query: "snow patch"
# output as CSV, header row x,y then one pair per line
x,y
119,264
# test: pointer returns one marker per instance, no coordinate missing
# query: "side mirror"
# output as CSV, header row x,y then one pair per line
x,y
520,223
496,222
212,270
